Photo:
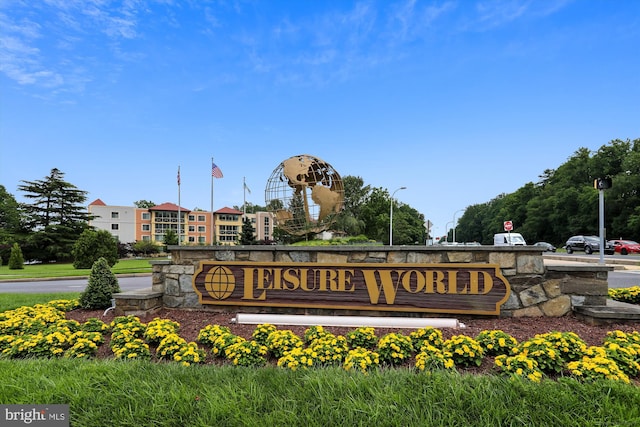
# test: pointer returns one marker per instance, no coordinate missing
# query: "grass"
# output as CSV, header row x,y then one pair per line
x,y
39,271
10,301
152,394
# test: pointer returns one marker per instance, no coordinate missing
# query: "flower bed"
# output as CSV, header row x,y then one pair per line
x,y
49,331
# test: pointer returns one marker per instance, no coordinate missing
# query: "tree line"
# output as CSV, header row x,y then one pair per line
x,y
564,201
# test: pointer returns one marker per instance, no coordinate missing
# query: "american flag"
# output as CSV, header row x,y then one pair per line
x,y
215,171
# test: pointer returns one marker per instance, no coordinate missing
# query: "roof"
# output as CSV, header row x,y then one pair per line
x,y
227,210
97,202
166,206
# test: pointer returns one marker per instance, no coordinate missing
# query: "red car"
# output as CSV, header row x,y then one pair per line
x,y
625,247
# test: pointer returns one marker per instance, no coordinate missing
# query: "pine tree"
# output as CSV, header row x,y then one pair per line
x,y
56,217
247,235
16,260
101,287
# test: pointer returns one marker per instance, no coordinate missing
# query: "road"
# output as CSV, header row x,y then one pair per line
x,y
70,285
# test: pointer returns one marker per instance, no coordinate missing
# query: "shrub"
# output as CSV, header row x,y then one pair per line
x,y
394,348
247,353
16,259
426,336
519,366
158,329
590,369
629,295
93,245
221,342
298,358
363,337
330,349
496,342
210,333
169,346
432,358
361,359
261,333
280,342
465,351
101,287
190,353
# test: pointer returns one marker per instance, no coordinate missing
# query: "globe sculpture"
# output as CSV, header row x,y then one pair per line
x,y
305,195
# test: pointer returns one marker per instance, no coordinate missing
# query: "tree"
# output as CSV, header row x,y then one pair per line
x,y
355,195
247,235
16,260
170,237
100,288
145,247
10,229
55,218
92,245
143,204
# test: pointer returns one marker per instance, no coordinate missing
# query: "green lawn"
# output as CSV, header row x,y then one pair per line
x,y
10,301
131,393
38,271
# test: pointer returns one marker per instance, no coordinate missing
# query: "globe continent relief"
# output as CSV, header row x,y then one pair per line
x,y
306,194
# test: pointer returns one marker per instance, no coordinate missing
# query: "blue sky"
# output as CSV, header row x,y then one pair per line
x,y
459,101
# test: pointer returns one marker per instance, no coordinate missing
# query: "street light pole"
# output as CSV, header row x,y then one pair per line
x,y
391,215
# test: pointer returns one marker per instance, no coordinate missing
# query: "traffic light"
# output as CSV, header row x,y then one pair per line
x,y
602,183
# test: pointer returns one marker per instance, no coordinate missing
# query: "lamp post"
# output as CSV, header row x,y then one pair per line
x,y
391,216
454,224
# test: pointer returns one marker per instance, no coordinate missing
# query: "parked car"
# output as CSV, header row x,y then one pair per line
x,y
548,247
625,247
588,244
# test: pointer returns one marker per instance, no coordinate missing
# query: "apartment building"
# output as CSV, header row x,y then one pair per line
x,y
130,224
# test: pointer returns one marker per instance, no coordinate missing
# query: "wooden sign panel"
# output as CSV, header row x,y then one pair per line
x,y
437,288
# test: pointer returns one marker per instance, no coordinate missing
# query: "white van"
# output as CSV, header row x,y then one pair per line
x,y
509,239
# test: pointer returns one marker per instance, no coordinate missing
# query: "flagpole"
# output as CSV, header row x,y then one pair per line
x,y
212,228
178,205
244,192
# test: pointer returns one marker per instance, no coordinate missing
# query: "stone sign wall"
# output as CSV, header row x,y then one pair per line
x,y
536,289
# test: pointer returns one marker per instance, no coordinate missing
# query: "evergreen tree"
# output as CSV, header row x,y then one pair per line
x,y
247,235
10,229
170,237
56,217
92,245
16,260
100,288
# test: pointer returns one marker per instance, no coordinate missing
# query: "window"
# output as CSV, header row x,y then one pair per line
x,y
201,228
192,217
146,215
114,215
146,227
114,226
146,238
192,228
201,240
266,220
201,218
192,239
